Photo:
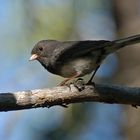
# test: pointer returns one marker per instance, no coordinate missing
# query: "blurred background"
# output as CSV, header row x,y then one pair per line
x,y
22,24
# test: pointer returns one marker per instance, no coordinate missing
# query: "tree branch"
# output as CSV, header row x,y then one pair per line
x,y
66,95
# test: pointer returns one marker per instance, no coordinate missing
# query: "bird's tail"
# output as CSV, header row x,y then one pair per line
x,y
127,41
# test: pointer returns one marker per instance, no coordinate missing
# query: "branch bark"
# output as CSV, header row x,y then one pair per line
x,y
66,95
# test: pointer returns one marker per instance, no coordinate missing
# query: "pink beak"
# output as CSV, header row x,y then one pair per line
x,y
33,57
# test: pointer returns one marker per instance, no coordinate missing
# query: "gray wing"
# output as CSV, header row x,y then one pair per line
x,y
71,49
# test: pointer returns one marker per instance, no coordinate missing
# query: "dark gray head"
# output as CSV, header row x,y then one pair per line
x,y
43,48
42,51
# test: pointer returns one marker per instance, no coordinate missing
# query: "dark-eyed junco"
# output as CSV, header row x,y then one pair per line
x,y
72,59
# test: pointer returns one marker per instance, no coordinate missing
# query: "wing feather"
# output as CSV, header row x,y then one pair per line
x,y
72,49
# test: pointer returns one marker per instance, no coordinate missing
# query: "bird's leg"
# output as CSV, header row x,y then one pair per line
x,y
68,79
90,81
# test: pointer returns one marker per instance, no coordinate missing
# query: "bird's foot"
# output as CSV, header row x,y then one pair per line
x,y
79,84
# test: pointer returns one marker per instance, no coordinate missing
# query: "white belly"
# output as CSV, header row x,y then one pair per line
x,y
81,66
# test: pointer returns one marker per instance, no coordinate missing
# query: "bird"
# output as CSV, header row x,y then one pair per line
x,y
74,59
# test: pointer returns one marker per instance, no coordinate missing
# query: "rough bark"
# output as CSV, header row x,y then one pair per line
x,y
65,95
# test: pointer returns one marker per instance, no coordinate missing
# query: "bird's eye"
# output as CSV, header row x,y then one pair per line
x,y
41,48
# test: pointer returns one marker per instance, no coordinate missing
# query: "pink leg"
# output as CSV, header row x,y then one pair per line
x,y
68,79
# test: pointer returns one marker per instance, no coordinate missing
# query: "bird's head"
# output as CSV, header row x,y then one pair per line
x,y
43,48
42,51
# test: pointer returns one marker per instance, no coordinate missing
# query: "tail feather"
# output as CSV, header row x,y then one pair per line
x,y
127,41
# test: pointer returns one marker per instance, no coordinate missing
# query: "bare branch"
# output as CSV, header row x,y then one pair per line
x,y
66,95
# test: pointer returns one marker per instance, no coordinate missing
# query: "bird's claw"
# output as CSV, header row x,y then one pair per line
x,y
79,84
